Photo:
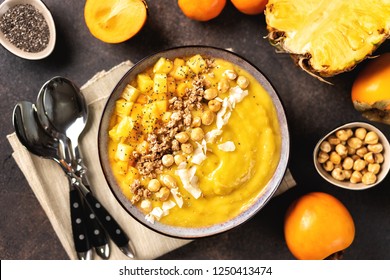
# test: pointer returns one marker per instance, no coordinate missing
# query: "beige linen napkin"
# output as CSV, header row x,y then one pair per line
x,y
50,185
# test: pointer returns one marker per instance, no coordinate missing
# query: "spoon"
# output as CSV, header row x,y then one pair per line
x,y
63,112
34,138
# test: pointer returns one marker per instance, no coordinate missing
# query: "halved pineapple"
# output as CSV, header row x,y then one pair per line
x,y
327,37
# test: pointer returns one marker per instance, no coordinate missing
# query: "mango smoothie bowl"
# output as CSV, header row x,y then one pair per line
x,y
193,141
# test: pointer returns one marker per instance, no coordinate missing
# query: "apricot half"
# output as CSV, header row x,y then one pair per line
x,y
115,21
318,225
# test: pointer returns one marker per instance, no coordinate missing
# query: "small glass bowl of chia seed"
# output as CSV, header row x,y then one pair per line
x,y
27,28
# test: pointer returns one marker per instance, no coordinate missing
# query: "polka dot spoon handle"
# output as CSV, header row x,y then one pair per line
x,y
79,228
117,235
96,233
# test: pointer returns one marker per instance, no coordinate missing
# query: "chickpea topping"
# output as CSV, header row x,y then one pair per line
x,y
328,166
210,93
154,185
342,135
208,117
341,150
355,142
371,138
379,158
375,148
242,82
361,151
167,160
196,122
369,178
182,137
347,174
168,181
322,157
369,157
335,158
348,163
359,165
230,74
356,177
179,159
333,140
374,168
338,174
146,205
352,153
214,105
223,85
197,134
187,148
163,194
325,147
361,133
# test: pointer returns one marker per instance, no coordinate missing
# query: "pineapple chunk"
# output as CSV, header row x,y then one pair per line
x,y
182,88
179,62
136,112
171,84
160,83
166,116
150,116
161,107
163,66
123,152
121,167
130,93
180,72
124,127
132,174
145,83
196,63
123,107
142,99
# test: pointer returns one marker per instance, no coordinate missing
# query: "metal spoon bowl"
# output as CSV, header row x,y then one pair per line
x,y
63,112
38,142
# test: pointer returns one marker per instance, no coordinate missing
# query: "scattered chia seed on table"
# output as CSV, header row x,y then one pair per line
x,y
26,28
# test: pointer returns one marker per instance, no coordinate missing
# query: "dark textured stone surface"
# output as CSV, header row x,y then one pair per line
x,y
312,108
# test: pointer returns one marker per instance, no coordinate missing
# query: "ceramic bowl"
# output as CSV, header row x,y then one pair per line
x,y
260,201
346,184
40,6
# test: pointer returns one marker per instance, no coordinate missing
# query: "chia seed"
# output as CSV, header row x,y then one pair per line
x,y
26,28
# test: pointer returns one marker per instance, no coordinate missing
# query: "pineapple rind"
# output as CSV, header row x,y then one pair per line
x,y
330,36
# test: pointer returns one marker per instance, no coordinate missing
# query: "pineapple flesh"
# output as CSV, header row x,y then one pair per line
x,y
328,37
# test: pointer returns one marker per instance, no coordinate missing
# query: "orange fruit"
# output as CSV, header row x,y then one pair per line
x,y
370,90
250,7
115,21
201,10
318,225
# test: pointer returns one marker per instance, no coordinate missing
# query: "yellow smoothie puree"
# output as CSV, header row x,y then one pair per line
x,y
239,156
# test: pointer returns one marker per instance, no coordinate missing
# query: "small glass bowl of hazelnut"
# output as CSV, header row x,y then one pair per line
x,y
354,156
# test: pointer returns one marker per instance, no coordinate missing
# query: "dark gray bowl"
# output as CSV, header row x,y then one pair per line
x,y
270,188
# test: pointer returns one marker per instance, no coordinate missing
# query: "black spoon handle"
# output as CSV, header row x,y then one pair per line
x,y
79,227
113,229
96,232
